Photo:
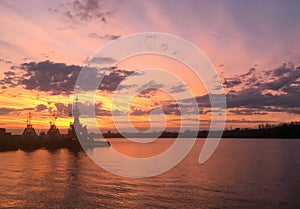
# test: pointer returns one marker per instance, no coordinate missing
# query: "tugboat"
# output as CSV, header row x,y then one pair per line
x,y
54,140
78,134
8,142
29,138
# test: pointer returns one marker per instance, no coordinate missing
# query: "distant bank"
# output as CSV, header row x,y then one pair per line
x,y
283,130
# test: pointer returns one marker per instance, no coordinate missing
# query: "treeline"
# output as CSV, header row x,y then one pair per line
x,y
282,130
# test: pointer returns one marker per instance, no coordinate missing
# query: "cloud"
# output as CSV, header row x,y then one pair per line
x,y
260,93
9,73
171,109
111,81
148,93
139,112
149,89
249,121
127,86
168,109
250,72
40,107
252,111
106,36
60,78
63,110
178,89
5,61
252,93
84,10
6,111
278,87
47,76
100,60
231,82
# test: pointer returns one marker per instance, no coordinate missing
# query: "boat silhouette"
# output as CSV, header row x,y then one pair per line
x,y
53,138
8,142
29,139
78,135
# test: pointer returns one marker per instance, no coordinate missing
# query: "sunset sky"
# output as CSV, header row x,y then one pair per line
x,y
253,45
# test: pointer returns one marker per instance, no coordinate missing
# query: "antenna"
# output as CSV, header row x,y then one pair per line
x,y
53,119
76,112
28,121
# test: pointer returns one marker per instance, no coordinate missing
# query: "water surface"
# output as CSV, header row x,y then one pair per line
x,y
242,173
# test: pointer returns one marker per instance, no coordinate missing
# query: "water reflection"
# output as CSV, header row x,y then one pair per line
x,y
242,173
72,191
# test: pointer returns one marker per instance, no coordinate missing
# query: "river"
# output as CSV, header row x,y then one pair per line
x,y
242,173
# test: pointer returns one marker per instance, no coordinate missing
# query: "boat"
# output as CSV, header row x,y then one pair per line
x,y
29,139
8,142
53,138
78,134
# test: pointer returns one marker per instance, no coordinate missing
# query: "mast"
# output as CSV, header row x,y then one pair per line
x,y
53,119
76,113
28,121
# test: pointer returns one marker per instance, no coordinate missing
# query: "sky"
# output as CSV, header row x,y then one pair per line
x,y
253,45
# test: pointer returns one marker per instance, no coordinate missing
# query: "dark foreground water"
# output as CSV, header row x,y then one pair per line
x,y
242,173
